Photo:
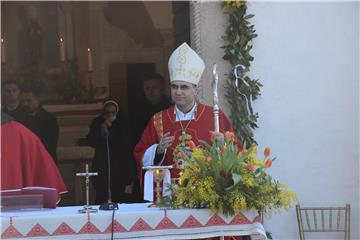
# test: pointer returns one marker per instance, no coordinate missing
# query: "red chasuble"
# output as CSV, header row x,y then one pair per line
x,y
165,121
25,161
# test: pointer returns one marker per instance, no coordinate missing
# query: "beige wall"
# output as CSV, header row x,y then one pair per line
x,y
160,13
212,26
307,58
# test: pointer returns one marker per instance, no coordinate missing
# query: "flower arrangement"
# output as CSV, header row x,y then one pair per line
x,y
226,179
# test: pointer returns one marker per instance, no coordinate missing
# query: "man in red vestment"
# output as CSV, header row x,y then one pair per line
x,y
163,131
24,160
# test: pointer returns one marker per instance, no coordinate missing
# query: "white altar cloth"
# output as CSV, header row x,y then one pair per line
x,y
131,221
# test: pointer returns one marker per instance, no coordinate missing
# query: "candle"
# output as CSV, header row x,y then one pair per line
x,y
90,67
2,51
62,50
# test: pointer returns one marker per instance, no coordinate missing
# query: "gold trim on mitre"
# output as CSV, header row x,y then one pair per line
x,y
185,65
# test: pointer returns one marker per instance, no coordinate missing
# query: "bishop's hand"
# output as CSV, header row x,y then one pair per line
x,y
164,143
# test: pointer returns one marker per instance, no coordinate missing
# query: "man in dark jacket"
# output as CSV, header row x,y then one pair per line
x,y
156,100
40,121
11,100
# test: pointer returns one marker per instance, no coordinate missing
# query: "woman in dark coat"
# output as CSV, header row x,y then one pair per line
x,y
123,166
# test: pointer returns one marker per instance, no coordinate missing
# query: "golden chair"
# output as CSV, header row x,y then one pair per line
x,y
332,219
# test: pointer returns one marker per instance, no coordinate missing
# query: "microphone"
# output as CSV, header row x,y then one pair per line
x,y
109,205
104,130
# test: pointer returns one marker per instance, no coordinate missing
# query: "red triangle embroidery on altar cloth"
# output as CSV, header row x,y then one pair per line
x,y
89,227
191,222
11,232
37,231
64,229
166,223
117,227
215,220
140,225
239,219
257,219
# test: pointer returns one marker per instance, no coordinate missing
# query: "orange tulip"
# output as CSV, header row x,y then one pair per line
x,y
223,150
267,151
268,163
250,167
181,155
208,159
191,144
230,136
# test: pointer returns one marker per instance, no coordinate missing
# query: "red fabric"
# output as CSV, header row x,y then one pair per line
x,y
199,129
25,161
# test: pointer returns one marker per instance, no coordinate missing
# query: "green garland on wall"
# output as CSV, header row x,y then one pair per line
x,y
238,44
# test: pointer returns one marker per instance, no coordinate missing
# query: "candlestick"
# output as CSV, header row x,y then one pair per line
x,y
90,67
62,50
2,51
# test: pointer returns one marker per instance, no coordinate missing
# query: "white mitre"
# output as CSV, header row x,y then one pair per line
x,y
185,65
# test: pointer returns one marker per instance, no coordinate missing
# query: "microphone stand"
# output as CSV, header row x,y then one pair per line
x,y
109,205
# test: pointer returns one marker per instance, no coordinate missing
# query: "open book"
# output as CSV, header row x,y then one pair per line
x,y
49,195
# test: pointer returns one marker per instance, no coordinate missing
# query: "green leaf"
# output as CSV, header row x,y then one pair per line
x,y
238,33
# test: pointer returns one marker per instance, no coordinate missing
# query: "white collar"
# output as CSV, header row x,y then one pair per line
x,y
180,116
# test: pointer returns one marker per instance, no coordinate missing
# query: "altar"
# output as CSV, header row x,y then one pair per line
x,y
131,221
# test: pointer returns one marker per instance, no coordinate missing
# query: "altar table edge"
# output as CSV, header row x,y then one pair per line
x,y
131,221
